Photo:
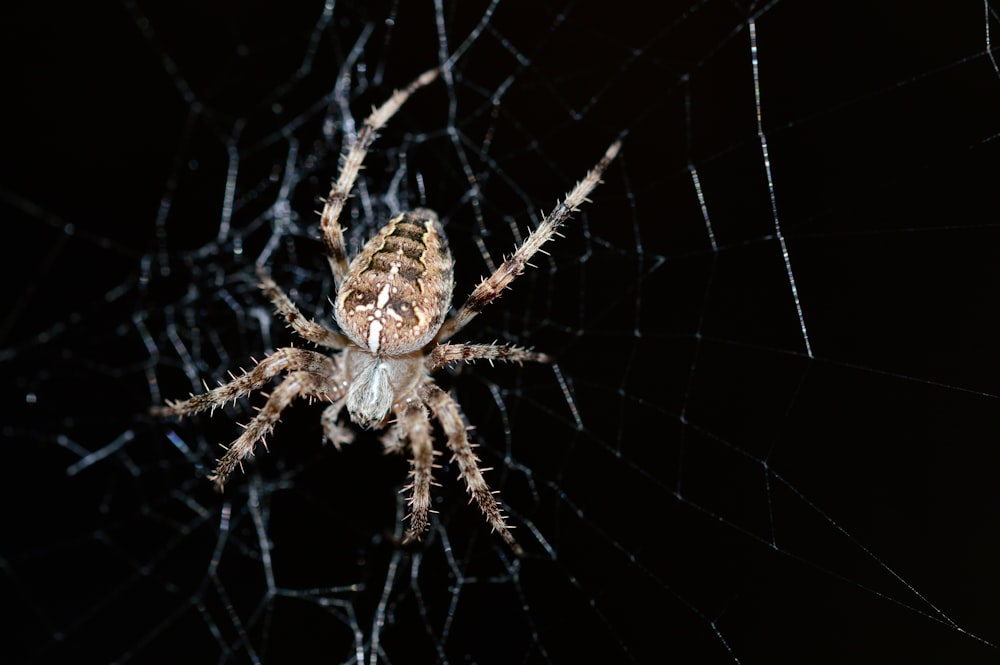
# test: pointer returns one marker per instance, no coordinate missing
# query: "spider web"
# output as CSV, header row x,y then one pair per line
x,y
770,431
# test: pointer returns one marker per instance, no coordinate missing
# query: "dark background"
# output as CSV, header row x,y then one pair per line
x,y
726,494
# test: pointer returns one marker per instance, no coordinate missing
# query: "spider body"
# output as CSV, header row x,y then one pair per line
x,y
391,307
393,302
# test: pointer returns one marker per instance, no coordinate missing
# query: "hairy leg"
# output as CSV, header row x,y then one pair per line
x,y
445,354
333,233
306,328
282,360
415,427
295,385
491,287
334,432
447,412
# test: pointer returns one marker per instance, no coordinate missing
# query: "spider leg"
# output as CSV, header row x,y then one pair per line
x,y
334,432
282,360
448,413
306,328
444,354
296,384
491,287
333,233
392,440
414,424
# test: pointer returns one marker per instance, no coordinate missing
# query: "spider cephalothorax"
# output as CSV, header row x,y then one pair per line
x,y
391,306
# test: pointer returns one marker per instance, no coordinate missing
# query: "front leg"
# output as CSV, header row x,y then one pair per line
x,y
491,287
350,165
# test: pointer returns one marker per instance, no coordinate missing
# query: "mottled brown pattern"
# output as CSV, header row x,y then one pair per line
x,y
398,288
391,305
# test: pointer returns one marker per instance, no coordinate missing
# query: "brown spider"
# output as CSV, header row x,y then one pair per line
x,y
391,306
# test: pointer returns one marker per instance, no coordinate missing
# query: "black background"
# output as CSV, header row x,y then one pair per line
x,y
739,498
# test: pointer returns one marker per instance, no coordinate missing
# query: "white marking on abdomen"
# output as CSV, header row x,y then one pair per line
x,y
374,336
383,297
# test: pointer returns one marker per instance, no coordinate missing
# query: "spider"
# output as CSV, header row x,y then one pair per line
x,y
391,307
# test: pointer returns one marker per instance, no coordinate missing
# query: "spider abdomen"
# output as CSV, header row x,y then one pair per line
x,y
398,289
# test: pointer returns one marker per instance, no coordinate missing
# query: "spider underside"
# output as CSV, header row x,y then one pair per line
x,y
391,307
